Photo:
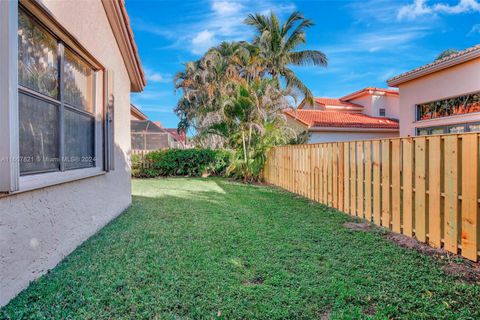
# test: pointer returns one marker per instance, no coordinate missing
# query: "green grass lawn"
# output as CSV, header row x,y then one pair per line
x,y
210,248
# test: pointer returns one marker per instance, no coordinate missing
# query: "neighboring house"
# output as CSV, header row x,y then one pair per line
x,y
441,97
149,136
137,114
366,114
68,68
179,139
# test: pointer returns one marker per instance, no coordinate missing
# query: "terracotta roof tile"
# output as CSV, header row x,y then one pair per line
x,y
316,118
336,102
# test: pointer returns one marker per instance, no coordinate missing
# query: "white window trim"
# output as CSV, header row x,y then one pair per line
x,y
9,137
10,180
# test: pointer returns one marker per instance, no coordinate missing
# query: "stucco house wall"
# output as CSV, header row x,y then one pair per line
x,y
461,79
373,103
38,228
335,136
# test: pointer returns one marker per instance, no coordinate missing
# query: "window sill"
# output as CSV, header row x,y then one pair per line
x,y
43,180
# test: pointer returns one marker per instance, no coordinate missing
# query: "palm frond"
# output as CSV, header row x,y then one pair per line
x,y
292,19
294,82
298,35
308,57
258,21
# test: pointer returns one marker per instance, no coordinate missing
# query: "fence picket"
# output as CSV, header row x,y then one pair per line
x,y
335,176
434,192
407,184
451,193
368,181
386,205
420,189
353,180
470,213
396,213
360,179
376,183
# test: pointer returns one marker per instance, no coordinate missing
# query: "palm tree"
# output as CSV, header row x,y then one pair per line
x,y
446,53
277,44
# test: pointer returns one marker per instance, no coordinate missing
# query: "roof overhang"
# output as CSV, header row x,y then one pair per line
x,y
120,24
137,113
350,129
469,54
370,91
300,121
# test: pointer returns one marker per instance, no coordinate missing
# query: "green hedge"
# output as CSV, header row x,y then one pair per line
x,y
181,162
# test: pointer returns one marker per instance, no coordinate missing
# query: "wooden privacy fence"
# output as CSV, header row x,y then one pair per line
x,y
422,187
141,162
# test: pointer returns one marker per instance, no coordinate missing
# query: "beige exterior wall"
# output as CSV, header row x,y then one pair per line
x,y
373,104
339,136
39,228
451,82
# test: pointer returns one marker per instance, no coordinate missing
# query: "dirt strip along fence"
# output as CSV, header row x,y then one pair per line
x,y
424,187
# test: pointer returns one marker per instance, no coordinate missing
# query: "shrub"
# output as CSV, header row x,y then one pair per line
x,y
182,162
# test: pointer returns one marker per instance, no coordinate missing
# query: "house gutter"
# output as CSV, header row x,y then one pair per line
x,y
350,129
434,67
120,24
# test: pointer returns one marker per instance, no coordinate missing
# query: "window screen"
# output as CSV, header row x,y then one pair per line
x,y
57,122
79,140
39,136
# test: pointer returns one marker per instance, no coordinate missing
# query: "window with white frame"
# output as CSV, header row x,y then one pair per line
x,y
56,102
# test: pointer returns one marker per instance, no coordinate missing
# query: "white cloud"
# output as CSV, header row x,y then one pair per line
x,y
153,76
420,8
226,7
461,7
221,20
386,40
475,29
203,41
414,10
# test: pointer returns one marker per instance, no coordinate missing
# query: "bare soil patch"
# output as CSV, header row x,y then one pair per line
x,y
358,226
411,243
464,270
326,314
468,272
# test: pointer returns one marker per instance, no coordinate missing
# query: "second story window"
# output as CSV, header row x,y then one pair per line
x,y
382,112
468,103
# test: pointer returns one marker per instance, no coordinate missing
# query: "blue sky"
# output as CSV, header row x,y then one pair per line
x,y
366,42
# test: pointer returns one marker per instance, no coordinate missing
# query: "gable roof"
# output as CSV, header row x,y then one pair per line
x,y
316,118
447,62
369,90
120,24
137,112
336,102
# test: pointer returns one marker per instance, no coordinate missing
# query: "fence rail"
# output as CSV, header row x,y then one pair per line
x,y
422,187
